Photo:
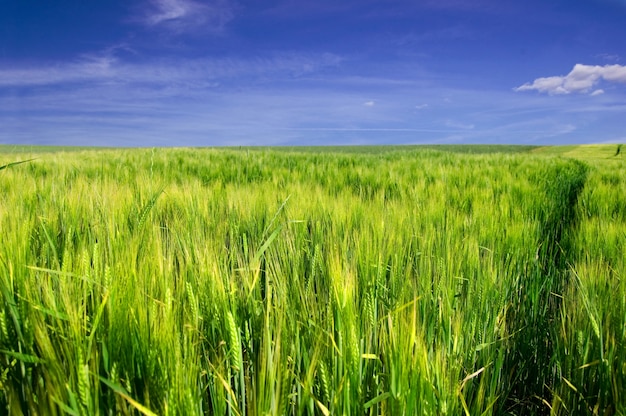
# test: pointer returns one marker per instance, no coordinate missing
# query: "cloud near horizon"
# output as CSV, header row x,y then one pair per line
x,y
582,79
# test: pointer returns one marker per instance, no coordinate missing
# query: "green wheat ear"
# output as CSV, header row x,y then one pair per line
x,y
143,214
8,165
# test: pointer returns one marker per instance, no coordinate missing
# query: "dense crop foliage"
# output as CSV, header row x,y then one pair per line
x,y
245,282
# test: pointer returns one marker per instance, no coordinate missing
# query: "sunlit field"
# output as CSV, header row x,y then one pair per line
x,y
442,280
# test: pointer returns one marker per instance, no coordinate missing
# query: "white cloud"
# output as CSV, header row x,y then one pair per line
x,y
581,79
369,103
597,92
421,106
188,15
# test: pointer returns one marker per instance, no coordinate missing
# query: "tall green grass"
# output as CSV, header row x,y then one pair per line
x,y
414,281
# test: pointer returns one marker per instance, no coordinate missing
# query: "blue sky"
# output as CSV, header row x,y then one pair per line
x,y
293,72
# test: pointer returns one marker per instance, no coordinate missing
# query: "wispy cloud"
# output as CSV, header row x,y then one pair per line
x,y
481,6
188,15
610,57
107,68
581,79
109,98
295,8
84,69
448,33
457,4
459,125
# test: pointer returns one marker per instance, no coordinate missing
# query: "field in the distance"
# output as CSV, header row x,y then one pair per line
x,y
407,280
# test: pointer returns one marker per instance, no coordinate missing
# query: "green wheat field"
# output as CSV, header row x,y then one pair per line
x,y
417,280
